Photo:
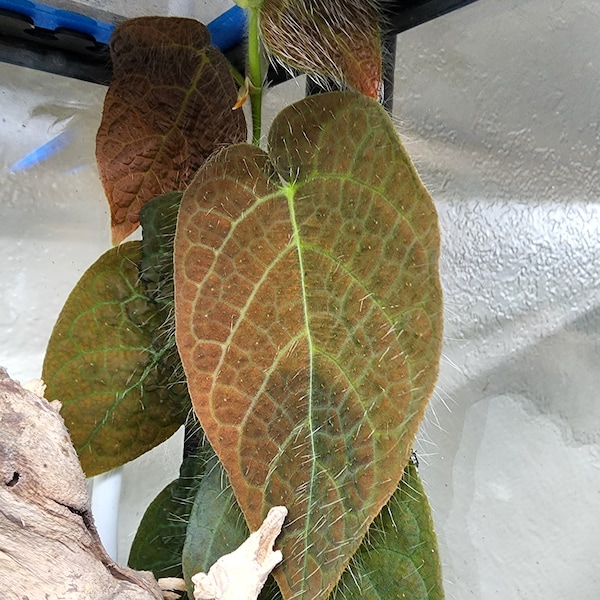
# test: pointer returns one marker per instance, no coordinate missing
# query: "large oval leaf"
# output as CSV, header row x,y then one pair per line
x,y
101,364
308,310
167,109
334,38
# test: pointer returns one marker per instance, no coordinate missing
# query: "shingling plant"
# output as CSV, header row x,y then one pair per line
x,y
289,295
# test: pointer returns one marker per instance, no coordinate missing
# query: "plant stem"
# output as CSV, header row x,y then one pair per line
x,y
255,73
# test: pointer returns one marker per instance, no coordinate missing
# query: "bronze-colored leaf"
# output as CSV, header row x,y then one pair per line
x,y
334,38
309,320
167,109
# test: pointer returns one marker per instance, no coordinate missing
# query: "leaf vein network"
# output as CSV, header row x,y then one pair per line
x,y
368,293
317,175
290,192
350,382
243,311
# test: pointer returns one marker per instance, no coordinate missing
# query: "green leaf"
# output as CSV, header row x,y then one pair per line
x,y
158,219
399,557
159,540
101,364
309,323
249,3
168,107
216,525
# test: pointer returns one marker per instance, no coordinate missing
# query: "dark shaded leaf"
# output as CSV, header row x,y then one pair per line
x,y
216,527
158,219
399,557
309,323
167,109
159,540
101,364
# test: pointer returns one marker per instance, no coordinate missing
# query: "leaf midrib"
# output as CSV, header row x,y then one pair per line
x,y
288,191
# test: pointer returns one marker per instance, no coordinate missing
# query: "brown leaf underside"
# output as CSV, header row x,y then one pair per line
x,y
167,109
309,323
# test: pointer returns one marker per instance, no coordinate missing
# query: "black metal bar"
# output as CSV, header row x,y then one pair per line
x,y
401,15
62,51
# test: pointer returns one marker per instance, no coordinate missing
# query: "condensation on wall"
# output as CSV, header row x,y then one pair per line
x,y
498,105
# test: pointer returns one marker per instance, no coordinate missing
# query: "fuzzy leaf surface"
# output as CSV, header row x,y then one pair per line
x,y
158,219
100,363
334,38
167,109
309,321
399,556
160,537
216,525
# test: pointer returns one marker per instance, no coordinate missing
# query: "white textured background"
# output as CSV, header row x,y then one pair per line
x,y
499,105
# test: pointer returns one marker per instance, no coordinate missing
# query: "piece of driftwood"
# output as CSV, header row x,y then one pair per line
x,y
49,546
241,574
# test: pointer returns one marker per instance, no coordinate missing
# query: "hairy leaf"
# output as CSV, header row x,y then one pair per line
x,y
159,540
335,38
308,310
216,525
159,219
399,556
101,364
167,109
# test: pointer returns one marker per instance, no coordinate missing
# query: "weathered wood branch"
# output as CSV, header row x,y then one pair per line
x,y
49,546
241,574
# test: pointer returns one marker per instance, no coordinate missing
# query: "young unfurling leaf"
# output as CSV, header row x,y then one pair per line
x,y
339,39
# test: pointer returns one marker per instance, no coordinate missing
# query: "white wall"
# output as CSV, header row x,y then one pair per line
x,y
498,104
